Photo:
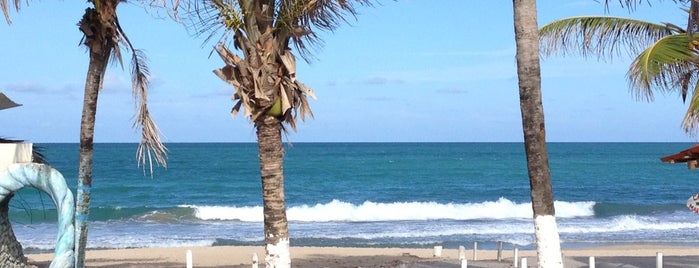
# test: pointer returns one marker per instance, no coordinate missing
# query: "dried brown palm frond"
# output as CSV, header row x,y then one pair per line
x,y
6,9
111,36
264,74
150,146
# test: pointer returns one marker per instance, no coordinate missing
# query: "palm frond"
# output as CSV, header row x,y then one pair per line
x,y
293,20
214,19
667,65
690,124
299,20
150,145
631,4
171,7
6,9
601,36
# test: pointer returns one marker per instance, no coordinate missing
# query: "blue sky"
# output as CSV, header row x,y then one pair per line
x,y
405,71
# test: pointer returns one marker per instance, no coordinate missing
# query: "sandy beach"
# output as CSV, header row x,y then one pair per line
x,y
241,256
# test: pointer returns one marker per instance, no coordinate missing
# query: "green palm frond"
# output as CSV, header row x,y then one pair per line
x,y
292,20
601,36
668,64
299,18
691,118
215,19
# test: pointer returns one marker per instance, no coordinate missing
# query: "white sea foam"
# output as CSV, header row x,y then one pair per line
x,y
398,211
630,223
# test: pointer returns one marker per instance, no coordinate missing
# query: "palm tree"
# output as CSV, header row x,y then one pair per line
x,y
529,74
103,36
665,55
265,83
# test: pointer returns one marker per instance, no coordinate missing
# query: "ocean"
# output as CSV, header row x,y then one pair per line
x,y
373,195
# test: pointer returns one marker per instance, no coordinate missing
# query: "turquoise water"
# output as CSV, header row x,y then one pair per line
x,y
374,194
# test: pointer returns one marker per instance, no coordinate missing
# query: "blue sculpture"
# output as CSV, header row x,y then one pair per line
x,y
49,180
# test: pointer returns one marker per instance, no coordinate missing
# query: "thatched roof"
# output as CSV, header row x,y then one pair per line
x,y
6,103
690,156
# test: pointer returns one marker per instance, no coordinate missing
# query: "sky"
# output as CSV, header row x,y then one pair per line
x,y
403,71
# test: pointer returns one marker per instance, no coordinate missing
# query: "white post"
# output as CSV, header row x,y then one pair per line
x,y
499,250
189,258
524,263
516,257
659,260
437,251
475,250
255,261
563,260
464,263
462,252
592,262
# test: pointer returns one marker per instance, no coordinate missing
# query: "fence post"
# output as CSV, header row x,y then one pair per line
x,y
475,250
516,257
437,251
499,250
659,260
592,262
462,252
255,260
188,256
563,260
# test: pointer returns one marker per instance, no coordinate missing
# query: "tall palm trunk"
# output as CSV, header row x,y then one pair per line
x,y
529,73
11,254
271,154
100,50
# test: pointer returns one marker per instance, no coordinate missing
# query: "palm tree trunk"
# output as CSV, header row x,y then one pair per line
x,y
271,155
11,254
99,56
529,73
